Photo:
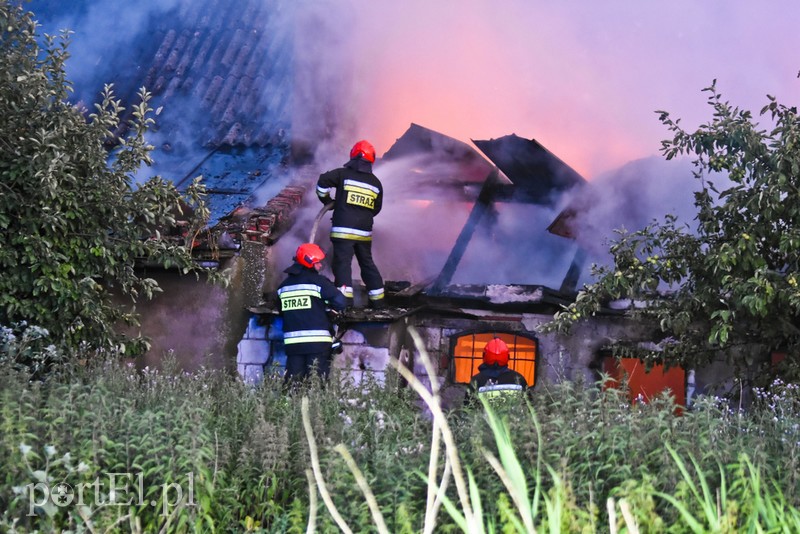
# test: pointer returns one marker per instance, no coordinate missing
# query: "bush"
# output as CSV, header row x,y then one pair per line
x,y
73,221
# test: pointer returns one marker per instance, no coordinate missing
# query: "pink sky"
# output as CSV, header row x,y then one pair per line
x,y
584,78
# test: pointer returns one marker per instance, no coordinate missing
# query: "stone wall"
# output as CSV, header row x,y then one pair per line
x,y
368,347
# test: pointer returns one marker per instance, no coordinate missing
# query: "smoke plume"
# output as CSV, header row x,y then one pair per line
x,y
582,78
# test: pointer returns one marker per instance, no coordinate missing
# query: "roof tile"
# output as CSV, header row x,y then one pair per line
x,y
223,59
233,48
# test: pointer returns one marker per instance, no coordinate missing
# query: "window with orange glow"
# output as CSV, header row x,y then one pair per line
x,y
644,384
468,354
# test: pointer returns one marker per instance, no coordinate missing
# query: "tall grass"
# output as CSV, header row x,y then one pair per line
x,y
368,458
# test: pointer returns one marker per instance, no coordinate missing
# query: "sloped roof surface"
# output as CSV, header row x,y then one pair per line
x,y
218,68
231,177
220,73
538,175
232,61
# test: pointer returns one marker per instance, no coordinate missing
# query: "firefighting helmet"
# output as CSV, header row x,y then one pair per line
x,y
364,149
496,351
309,254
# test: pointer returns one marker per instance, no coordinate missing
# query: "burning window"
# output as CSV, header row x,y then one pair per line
x,y
467,351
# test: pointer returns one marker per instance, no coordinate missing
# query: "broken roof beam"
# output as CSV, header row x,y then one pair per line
x,y
482,204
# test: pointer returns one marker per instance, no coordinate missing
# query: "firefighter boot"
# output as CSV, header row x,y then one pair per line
x,y
347,291
379,304
375,297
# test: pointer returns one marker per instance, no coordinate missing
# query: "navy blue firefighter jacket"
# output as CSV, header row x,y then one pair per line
x,y
495,380
305,296
359,198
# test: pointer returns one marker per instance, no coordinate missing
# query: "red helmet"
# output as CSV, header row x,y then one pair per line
x,y
496,351
309,254
364,149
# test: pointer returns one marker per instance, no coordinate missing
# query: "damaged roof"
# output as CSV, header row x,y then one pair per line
x,y
537,174
222,81
514,187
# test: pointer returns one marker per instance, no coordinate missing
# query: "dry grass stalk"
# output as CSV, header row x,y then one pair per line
x,y
612,515
448,471
312,503
365,489
432,401
323,490
431,507
627,515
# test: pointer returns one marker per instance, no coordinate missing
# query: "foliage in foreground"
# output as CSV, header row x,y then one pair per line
x,y
211,453
71,223
733,284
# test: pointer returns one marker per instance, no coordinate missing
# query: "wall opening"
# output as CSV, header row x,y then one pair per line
x,y
644,385
467,351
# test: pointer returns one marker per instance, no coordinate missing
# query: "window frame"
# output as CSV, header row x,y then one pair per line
x,y
478,357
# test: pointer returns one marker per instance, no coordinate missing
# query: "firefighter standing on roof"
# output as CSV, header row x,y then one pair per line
x,y
305,296
359,197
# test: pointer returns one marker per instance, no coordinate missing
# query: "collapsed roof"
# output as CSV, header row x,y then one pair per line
x,y
538,175
223,85
496,199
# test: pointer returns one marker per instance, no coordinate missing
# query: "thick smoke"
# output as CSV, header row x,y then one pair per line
x,y
100,30
425,207
631,197
583,79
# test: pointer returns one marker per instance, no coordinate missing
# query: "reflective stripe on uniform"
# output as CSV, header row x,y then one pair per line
x,y
307,336
347,291
342,232
361,187
360,194
297,290
497,390
298,296
323,192
376,294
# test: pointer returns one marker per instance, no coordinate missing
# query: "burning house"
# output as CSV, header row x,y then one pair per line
x,y
471,240
464,243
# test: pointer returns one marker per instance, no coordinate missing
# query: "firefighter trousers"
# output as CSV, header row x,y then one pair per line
x,y
299,366
342,264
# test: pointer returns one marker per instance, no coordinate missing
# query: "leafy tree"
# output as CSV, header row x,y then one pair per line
x,y
728,286
73,221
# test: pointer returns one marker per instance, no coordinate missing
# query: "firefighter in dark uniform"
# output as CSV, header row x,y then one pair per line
x,y
305,296
494,378
359,197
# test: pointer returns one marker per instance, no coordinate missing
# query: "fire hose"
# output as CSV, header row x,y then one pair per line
x,y
326,208
338,326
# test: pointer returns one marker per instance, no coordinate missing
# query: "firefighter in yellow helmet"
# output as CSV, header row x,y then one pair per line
x,y
358,199
494,377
